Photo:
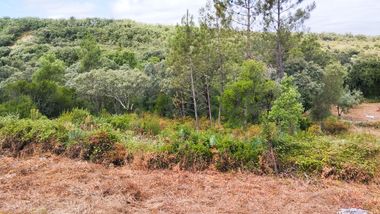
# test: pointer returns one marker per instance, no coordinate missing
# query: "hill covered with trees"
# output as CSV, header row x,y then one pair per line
x,y
218,92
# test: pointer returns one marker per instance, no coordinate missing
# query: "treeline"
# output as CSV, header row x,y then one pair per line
x,y
225,68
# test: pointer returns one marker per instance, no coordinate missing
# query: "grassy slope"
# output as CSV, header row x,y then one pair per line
x,y
366,45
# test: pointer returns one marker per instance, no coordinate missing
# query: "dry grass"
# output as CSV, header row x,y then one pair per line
x,y
60,185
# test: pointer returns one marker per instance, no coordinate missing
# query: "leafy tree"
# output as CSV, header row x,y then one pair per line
x,y
123,57
47,96
245,13
282,17
90,54
245,99
287,109
50,68
183,59
308,77
348,100
218,49
333,89
123,86
20,105
365,76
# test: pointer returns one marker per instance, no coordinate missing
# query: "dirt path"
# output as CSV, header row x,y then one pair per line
x,y
59,185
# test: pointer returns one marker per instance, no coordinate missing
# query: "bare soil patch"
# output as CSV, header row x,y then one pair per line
x,y
366,112
60,185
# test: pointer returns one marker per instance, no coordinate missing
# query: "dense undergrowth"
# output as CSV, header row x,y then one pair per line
x,y
157,143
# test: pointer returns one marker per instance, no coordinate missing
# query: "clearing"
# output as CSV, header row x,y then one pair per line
x,y
363,113
60,185
366,112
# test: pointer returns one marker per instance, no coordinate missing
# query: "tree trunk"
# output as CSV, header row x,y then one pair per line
x,y
245,114
273,157
339,111
279,49
194,95
208,101
183,108
221,62
249,23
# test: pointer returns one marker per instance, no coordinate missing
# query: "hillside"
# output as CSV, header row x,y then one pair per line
x,y
101,115
365,45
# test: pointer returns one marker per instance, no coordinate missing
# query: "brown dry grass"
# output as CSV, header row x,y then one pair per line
x,y
60,185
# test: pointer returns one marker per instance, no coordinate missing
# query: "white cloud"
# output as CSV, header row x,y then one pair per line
x,y
155,11
62,8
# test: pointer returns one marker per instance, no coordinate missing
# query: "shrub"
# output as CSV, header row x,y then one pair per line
x,y
334,126
193,156
102,147
375,125
355,159
151,125
315,129
35,114
123,122
20,105
303,153
234,155
25,134
75,116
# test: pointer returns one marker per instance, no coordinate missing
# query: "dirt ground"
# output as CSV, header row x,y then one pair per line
x,y
366,112
60,185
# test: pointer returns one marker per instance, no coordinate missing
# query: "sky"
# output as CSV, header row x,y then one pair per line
x,y
339,16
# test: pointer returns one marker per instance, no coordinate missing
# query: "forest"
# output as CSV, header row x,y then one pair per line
x,y
244,88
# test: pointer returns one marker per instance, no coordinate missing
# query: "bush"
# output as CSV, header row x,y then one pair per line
x,y
334,126
20,105
75,116
315,130
356,159
102,147
374,125
151,125
123,122
26,134
237,155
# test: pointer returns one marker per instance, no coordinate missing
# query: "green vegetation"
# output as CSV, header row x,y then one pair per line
x,y
193,96
165,143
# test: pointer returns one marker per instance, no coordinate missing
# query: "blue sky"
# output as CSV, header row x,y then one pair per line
x,y
340,16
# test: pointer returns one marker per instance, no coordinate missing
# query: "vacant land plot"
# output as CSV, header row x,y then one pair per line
x,y
60,185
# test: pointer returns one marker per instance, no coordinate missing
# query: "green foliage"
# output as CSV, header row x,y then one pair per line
x,y
90,54
123,122
334,126
18,135
35,114
19,105
151,125
50,69
123,57
75,116
245,99
191,151
365,76
101,147
287,110
307,76
237,155
163,105
349,100
333,89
